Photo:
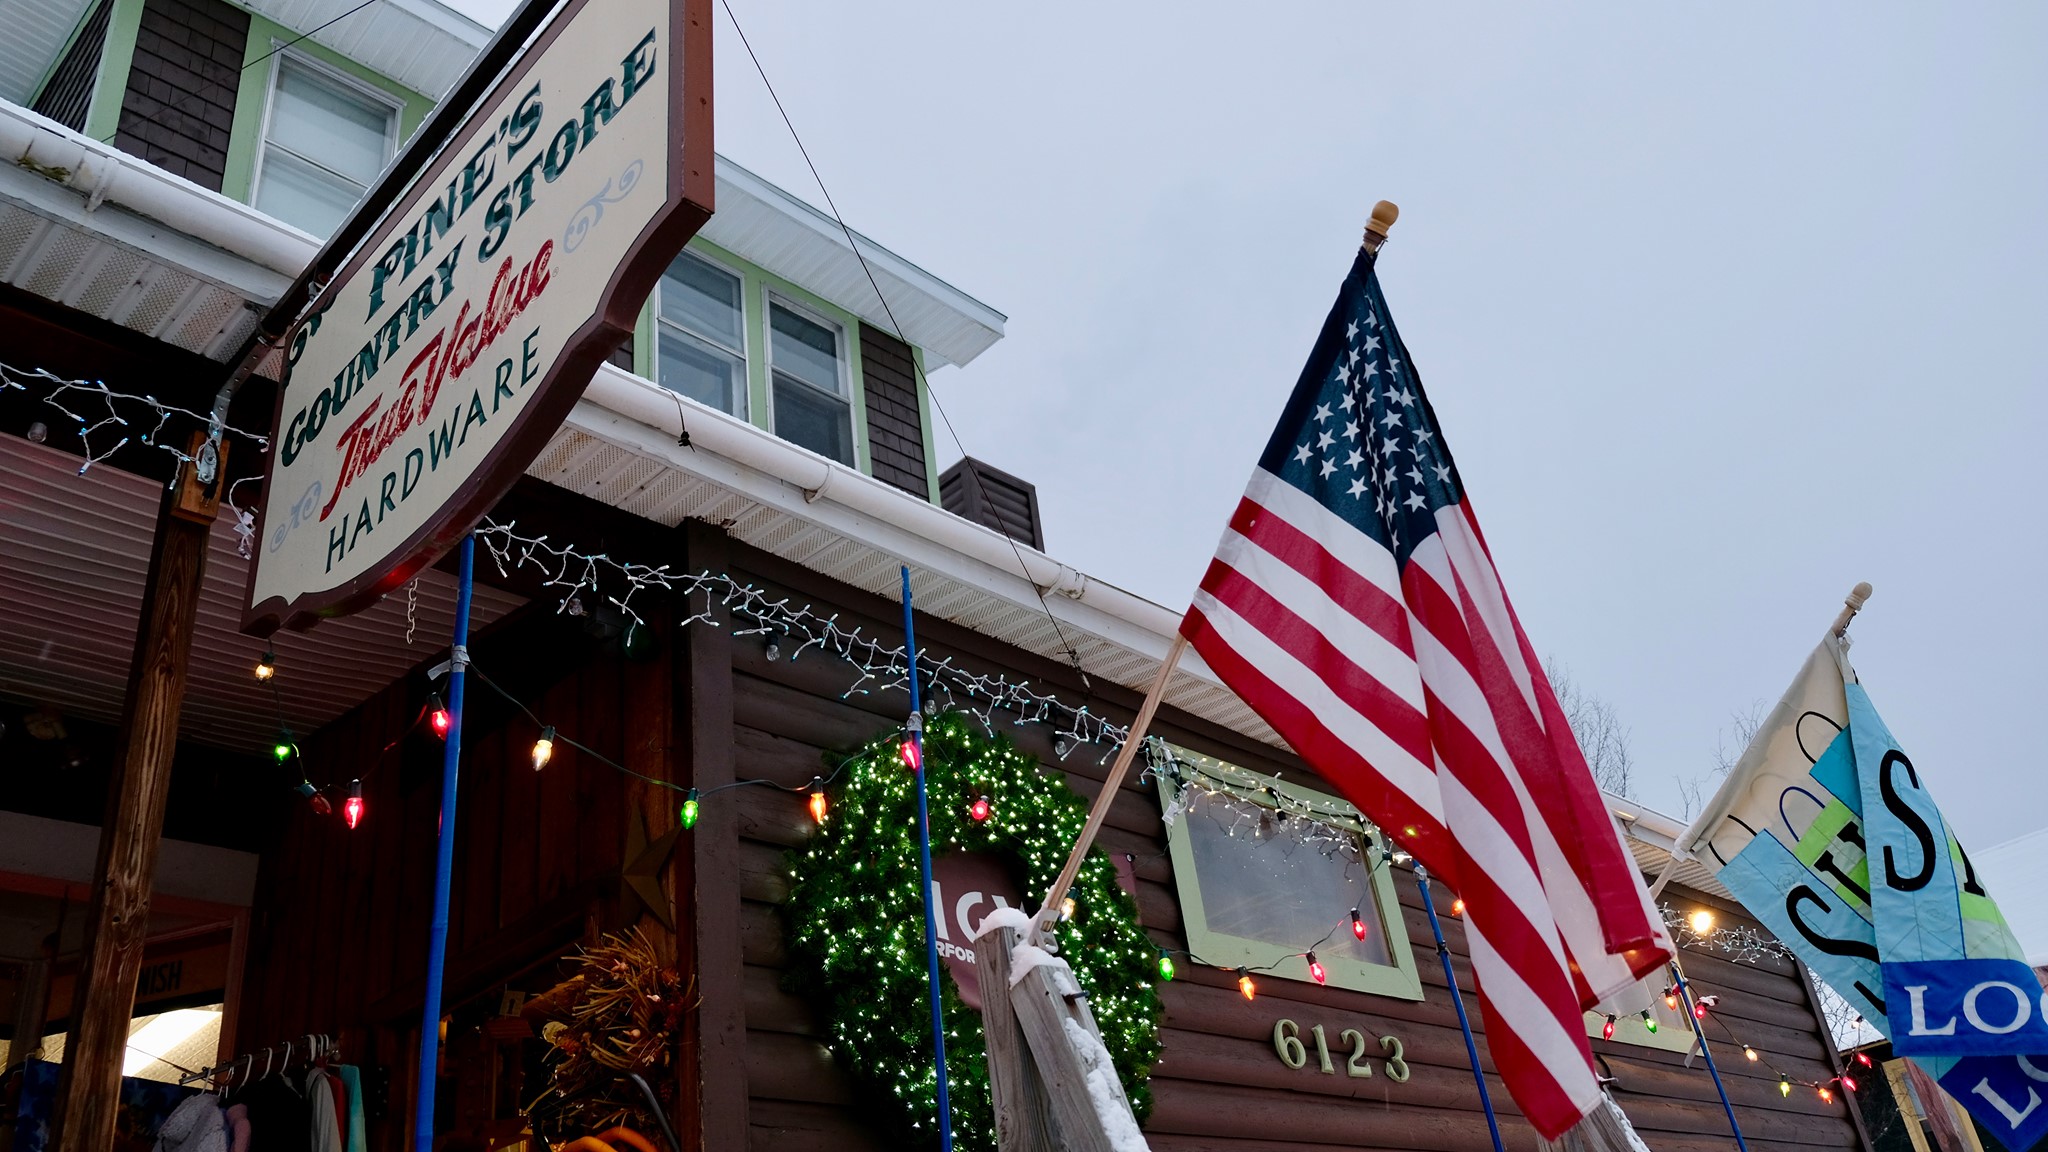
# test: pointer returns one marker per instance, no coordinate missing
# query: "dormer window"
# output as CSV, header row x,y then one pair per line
x,y
700,346
808,381
324,141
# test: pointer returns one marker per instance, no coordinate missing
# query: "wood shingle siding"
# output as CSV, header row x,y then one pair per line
x,y
179,108
895,421
67,96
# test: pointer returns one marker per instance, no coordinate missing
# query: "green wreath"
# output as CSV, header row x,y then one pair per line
x,y
856,928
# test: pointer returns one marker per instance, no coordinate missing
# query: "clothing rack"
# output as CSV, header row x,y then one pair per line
x,y
245,1069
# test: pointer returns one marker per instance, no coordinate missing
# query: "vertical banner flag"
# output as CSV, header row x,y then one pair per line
x,y
1826,830
1354,605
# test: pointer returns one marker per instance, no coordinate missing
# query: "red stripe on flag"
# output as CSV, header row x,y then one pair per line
x,y
1356,686
1290,545
1412,826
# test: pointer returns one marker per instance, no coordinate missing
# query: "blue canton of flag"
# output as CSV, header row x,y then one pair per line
x,y
1365,445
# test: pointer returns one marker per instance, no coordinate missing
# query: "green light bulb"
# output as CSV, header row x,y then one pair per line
x,y
688,816
1650,1023
1165,966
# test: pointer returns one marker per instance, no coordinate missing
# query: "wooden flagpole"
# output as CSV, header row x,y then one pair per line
x,y
1377,226
1049,908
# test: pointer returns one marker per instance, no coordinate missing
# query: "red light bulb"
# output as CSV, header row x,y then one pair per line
x,y
1607,1029
1849,1083
352,808
1315,969
912,758
979,810
1699,1011
438,717
1357,924
1863,1058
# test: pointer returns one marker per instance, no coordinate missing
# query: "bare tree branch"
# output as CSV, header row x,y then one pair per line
x,y
1601,734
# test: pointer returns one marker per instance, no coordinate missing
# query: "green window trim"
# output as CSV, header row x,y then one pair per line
x,y
117,56
757,287
252,98
1399,979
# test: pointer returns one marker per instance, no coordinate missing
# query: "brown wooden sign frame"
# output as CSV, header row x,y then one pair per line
x,y
690,202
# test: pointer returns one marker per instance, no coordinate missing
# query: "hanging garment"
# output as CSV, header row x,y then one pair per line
x,y
194,1126
278,1116
237,1117
325,1126
352,1079
340,1093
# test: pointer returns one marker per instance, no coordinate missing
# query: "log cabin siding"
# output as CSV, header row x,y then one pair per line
x,y
1218,1087
342,916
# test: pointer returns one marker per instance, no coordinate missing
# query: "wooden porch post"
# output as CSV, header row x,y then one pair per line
x,y
714,1062
89,1089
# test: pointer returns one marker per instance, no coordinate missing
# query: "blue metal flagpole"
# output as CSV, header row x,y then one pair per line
x,y
1443,953
924,861
1699,1032
444,863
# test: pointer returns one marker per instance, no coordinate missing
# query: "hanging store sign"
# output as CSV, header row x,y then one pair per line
x,y
438,361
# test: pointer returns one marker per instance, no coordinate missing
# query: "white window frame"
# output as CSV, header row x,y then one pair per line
x,y
745,390
370,92
770,298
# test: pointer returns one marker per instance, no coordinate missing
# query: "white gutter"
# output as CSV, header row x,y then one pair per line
x,y
646,419
102,174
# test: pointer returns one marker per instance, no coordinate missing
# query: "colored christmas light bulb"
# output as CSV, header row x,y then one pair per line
x,y
352,809
817,800
544,748
1671,997
979,810
438,716
913,759
1357,924
1749,1054
1458,907
1315,969
320,805
688,816
1165,966
1067,908
1607,1029
1826,1096
1863,1058
284,747
1849,1082
266,667
1245,985
1699,1010
1650,1023
1784,1085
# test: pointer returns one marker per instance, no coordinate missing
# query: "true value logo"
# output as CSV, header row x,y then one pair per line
x,y
441,357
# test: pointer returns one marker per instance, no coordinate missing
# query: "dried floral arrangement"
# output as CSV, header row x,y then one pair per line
x,y
621,1012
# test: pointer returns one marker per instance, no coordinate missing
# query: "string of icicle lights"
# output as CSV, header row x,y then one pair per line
x,y
104,419
789,630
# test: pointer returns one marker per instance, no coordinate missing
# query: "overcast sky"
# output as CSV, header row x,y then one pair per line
x,y
1723,309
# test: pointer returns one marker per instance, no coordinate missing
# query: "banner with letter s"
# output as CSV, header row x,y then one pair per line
x,y
1828,833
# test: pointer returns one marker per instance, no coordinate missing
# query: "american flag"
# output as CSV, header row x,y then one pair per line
x,y
1354,605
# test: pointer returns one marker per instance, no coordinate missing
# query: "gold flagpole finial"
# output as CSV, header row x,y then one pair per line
x,y
1851,604
1384,214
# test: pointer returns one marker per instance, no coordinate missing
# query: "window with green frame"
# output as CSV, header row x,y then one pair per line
x,y
1268,871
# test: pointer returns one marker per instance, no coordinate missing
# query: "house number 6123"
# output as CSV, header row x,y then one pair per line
x,y
1293,1053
